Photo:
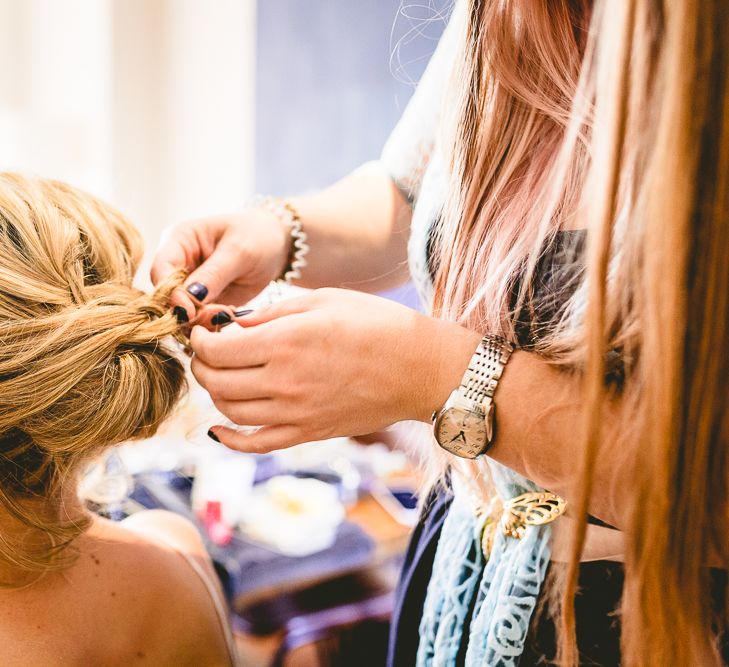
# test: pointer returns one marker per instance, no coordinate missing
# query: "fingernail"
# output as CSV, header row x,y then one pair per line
x,y
180,314
198,290
243,312
212,436
220,318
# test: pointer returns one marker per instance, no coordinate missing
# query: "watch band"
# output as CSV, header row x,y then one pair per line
x,y
485,369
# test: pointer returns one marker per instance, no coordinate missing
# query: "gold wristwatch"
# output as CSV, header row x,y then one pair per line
x,y
464,426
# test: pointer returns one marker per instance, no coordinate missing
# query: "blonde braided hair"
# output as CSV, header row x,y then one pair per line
x,y
82,359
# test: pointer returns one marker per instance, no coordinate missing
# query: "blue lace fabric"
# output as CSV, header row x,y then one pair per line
x,y
498,595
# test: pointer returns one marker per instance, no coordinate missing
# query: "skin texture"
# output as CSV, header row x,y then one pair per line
x,y
127,600
338,362
236,256
333,362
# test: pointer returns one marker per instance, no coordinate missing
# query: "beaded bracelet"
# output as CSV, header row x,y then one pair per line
x,y
290,218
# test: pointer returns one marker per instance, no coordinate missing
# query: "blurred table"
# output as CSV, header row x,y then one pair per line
x,y
372,578
271,593
370,538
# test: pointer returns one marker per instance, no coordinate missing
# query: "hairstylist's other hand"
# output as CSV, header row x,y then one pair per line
x,y
230,258
330,363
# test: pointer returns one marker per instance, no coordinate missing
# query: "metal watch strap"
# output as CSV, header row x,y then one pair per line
x,y
484,371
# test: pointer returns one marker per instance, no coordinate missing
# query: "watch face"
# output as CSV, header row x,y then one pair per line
x,y
461,432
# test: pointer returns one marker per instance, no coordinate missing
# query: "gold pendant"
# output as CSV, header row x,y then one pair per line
x,y
528,509
488,535
531,509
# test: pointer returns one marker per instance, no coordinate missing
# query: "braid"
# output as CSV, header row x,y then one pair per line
x,y
83,362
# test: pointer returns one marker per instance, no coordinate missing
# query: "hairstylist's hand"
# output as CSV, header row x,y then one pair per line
x,y
330,363
230,258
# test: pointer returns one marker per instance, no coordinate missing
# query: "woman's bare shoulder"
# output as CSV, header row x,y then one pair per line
x,y
129,598
149,544
148,581
160,527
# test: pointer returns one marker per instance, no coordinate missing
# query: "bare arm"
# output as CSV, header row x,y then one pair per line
x,y
540,411
358,231
539,419
337,363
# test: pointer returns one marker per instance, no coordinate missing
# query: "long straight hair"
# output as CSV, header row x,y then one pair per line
x,y
520,68
668,292
612,118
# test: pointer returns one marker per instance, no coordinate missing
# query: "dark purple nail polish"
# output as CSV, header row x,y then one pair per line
x,y
243,312
198,290
212,436
220,318
181,314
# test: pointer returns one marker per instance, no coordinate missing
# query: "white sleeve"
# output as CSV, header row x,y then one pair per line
x,y
408,149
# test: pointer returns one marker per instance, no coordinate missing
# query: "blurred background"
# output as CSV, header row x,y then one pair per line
x,y
172,109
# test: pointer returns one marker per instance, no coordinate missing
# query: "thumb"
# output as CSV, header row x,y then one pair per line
x,y
299,304
215,274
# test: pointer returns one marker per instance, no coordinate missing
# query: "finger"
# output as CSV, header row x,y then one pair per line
x,y
240,293
163,268
262,440
233,347
183,306
258,412
209,279
169,259
299,304
172,254
214,316
227,384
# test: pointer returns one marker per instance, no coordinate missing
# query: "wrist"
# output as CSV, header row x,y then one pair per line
x,y
447,355
292,247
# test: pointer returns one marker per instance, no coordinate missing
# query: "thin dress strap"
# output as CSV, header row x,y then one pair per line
x,y
210,584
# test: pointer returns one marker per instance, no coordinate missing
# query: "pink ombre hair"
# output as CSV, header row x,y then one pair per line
x,y
515,90
622,129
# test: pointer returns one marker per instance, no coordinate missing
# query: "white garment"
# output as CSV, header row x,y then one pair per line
x,y
414,154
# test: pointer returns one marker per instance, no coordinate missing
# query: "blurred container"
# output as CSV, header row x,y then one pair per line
x,y
227,478
295,516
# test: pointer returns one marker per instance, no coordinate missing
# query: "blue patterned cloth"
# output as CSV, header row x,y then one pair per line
x,y
497,595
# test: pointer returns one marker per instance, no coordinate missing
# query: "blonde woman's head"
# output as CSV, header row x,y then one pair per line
x,y
83,364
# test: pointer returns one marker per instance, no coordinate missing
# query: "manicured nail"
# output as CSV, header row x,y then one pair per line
x,y
198,290
243,312
212,436
180,314
220,318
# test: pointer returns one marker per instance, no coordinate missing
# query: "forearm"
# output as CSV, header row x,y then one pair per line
x,y
540,416
343,363
539,421
358,231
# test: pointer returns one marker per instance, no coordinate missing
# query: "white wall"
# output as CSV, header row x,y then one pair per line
x,y
148,103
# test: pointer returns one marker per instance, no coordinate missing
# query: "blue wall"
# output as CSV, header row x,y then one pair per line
x,y
332,79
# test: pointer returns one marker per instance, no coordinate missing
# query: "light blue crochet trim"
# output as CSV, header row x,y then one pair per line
x,y
507,596
502,591
457,570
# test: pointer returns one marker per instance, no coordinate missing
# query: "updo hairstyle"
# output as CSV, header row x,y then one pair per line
x,y
83,359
